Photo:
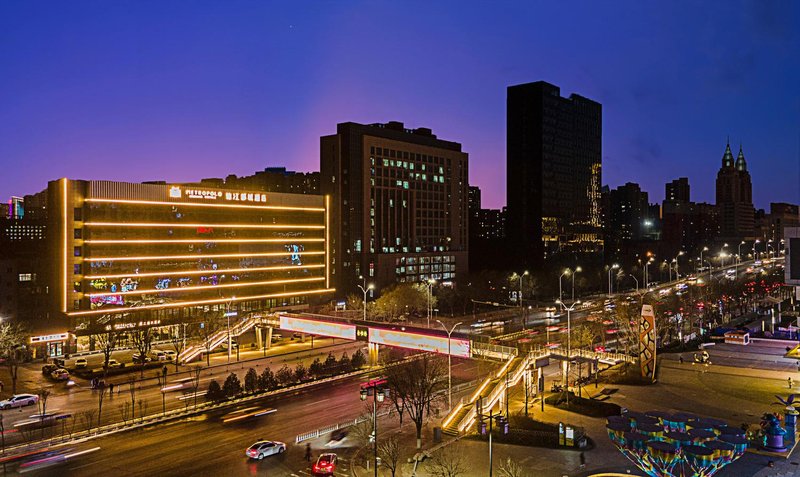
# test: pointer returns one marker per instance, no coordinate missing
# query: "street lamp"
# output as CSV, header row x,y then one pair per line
x,y
365,288
577,270
569,335
738,256
612,267
502,421
755,256
637,283
373,388
646,274
567,271
430,284
705,249
228,314
677,265
449,366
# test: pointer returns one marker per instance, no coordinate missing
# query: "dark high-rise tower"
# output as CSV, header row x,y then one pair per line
x,y
677,190
735,197
553,172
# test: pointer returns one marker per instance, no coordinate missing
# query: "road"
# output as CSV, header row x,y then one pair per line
x,y
204,446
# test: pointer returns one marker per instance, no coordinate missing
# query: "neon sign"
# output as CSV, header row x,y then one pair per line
x,y
313,327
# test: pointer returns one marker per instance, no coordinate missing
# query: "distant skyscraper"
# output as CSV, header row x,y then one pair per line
x,y
553,172
400,204
677,190
735,197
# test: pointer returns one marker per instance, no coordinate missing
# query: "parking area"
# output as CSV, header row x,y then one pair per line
x,y
759,354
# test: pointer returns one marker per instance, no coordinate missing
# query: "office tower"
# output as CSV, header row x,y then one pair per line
x,y
735,197
400,204
553,172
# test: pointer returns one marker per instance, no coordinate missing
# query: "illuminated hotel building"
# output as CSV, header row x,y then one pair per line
x,y
129,256
400,204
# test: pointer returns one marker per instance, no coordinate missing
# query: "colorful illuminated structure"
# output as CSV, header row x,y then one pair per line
x,y
128,256
676,445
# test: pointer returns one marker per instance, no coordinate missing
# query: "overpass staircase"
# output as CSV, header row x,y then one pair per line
x,y
216,340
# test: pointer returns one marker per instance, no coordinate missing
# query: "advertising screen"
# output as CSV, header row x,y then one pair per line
x,y
323,328
434,344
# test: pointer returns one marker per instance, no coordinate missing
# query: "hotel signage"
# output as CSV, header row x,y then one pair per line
x,y
48,338
176,192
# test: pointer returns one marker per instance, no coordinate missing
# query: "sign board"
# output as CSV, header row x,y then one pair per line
x,y
316,327
434,344
647,342
48,338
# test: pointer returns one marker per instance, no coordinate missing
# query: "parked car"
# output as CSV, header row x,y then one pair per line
x,y
81,363
325,464
113,363
60,374
19,400
159,355
171,355
48,368
262,449
140,359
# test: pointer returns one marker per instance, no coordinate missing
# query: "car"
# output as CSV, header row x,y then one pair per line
x,y
81,363
19,400
113,363
140,359
262,449
60,374
48,368
159,355
325,464
170,354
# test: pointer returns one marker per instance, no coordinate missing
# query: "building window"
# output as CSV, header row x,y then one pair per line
x,y
76,251
25,277
77,269
78,233
77,214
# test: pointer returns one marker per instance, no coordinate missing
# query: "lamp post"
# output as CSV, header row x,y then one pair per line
x,y
577,270
755,254
738,257
365,288
483,418
647,274
449,366
374,388
228,314
566,271
612,267
569,310
705,249
430,284
637,283
677,265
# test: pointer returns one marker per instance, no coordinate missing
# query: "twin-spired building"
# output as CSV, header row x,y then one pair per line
x,y
129,256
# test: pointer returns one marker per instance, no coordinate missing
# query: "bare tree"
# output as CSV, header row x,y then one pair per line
x,y
43,394
512,469
210,325
448,462
87,417
132,391
195,374
107,343
101,394
178,341
143,341
418,384
389,453
12,349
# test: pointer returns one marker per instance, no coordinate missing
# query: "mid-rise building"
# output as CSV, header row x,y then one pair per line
x,y
129,256
554,147
400,204
677,190
735,197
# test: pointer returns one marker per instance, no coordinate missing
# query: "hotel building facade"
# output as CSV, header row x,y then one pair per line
x,y
127,256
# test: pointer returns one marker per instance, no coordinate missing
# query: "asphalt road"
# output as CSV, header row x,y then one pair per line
x,y
205,446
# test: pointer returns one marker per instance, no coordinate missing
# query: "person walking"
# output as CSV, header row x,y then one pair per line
x,y
680,359
583,460
110,389
308,452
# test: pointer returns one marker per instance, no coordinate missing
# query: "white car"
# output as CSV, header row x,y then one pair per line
x,y
262,449
19,400
170,354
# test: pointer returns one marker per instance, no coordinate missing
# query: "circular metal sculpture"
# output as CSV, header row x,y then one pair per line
x,y
676,445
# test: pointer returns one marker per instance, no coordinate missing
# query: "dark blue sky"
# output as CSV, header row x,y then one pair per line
x,y
179,90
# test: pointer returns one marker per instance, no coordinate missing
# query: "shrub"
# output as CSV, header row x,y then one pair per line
x,y
267,381
358,360
330,364
285,376
344,363
316,369
251,381
300,372
214,392
232,386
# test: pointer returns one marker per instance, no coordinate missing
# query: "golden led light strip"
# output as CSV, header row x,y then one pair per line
x,y
137,241
201,204
327,242
190,257
233,226
64,218
199,302
203,272
207,287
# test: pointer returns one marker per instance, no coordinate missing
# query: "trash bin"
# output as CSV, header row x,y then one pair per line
x,y
437,434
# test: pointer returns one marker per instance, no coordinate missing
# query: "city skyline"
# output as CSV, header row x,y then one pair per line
x,y
160,100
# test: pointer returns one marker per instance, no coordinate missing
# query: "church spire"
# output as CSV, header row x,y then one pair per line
x,y
741,164
727,158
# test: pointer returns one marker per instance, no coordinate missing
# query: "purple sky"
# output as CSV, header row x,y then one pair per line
x,y
144,90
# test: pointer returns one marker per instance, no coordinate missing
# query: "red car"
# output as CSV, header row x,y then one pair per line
x,y
325,465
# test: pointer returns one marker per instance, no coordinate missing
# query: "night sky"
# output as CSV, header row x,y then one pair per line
x,y
180,90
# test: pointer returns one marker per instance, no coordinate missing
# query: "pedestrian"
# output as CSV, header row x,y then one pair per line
x,y
110,389
583,460
680,359
791,383
308,452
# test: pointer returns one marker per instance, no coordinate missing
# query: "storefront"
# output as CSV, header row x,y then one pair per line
x,y
50,346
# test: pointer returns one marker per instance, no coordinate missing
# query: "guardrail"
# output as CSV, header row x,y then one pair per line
x,y
335,427
488,350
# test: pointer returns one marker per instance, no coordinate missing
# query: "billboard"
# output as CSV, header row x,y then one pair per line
x,y
647,342
434,344
316,327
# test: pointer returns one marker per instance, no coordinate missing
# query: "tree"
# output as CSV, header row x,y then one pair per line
x,y
511,469
403,298
418,384
330,364
143,341
344,363
107,343
267,381
285,376
448,462
300,372
316,369
358,360
43,394
251,381
214,392
354,302
12,349
206,329
178,341
132,391
232,387
101,394
389,453
195,374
